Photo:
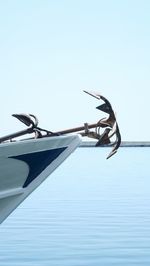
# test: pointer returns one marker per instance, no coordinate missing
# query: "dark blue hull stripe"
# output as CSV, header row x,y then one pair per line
x,y
38,161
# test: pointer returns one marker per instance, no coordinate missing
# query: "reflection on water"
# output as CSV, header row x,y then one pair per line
x,y
90,212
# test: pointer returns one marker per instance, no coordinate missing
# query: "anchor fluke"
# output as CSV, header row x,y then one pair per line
x,y
104,138
104,108
28,120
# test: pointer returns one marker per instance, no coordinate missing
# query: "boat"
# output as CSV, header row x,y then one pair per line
x,y
25,162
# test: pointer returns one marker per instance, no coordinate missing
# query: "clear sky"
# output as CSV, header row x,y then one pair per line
x,y
51,50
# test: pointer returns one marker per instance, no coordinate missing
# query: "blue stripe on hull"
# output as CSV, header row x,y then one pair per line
x,y
38,161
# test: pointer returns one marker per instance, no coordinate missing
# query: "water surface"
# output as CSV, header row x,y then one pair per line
x,y
90,212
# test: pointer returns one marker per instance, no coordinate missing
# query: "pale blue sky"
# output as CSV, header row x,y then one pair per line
x,y
51,50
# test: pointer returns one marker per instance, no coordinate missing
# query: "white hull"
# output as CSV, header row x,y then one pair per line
x,y
24,165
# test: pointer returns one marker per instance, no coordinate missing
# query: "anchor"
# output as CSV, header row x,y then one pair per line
x,y
109,125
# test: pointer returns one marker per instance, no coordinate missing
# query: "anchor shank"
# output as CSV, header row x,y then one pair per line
x,y
77,129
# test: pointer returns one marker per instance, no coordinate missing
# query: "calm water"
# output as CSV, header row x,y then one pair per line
x,y
90,212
